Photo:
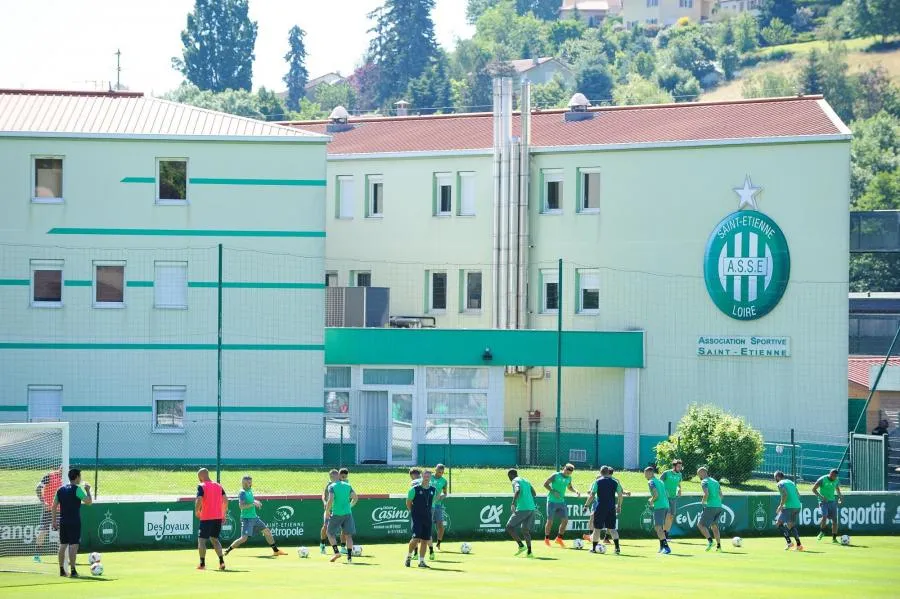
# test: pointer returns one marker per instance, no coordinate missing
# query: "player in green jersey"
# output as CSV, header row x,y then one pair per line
x,y
556,485
341,499
788,510
659,503
712,508
672,479
521,521
825,489
439,482
323,534
251,523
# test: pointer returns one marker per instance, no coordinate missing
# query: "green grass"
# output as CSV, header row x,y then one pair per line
x,y
759,569
860,43
155,482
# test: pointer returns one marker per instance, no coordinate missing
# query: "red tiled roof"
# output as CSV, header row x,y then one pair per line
x,y
687,122
71,92
858,368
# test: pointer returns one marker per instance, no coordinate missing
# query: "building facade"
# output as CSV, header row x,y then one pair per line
x,y
665,12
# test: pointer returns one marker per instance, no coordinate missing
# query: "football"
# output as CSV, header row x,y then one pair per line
x,y
737,541
578,544
357,550
303,552
465,548
601,548
94,557
97,569
845,539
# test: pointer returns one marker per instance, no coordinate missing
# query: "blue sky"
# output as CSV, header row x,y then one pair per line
x,y
71,44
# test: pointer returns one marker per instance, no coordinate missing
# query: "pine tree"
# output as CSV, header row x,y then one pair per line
x,y
812,74
297,75
218,46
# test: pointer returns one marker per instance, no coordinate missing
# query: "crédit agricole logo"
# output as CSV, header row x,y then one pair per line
x,y
747,262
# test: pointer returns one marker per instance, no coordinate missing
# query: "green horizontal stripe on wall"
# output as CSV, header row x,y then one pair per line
x,y
139,283
77,283
165,346
182,232
252,285
14,282
138,180
97,408
268,409
13,408
157,461
237,181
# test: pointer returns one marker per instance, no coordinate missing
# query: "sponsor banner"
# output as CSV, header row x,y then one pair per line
x,y
169,525
743,346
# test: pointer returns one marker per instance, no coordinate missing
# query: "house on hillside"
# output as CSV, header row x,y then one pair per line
x,y
732,8
543,70
327,79
591,11
665,12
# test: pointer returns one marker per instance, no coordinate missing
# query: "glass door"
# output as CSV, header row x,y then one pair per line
x,y
374,430
401,444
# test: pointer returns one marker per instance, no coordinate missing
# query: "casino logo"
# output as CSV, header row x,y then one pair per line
x,y
108,530
747,263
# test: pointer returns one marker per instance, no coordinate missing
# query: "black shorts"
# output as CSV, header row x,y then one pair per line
x,y
210,529
70,533
604,518
421,528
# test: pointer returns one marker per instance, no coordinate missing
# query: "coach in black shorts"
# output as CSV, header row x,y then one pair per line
x,y
419,500
67,503
606,493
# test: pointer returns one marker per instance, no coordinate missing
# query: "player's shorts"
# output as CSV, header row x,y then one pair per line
x,y
605,518
46,518
788,516
556,510
829,510
521,519
710,516
210,529
421,528
343,524
252,526
70,533
659,516
673,506
437,514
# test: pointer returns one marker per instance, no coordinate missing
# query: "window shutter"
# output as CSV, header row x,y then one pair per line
x,y
170,287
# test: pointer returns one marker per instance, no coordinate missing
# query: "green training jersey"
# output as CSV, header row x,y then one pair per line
x,y
712,487
559,484
439,484
662,502
525,501
791,495
341,491
827,487
246,496
671,479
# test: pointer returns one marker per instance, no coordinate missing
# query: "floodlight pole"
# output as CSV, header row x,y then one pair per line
x,y
559,305
219,375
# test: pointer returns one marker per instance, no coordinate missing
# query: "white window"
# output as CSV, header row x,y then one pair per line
x,y
588,291
170,284
171,180
467,194
168,408
48,180
46,283
375,201
44,403
473,292
457,404
361,278
590,190
553,189
331,279
345,197
652,3
685,3
549,291
337,403
443,194
437,291
109,284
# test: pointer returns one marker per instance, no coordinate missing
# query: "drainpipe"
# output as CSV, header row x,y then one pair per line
x,y
512,305
524,215
504,202
495,237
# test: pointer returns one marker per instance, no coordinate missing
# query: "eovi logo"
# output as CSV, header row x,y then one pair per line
x,y
689,515
747,262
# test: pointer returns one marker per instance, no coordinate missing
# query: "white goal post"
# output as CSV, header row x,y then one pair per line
x,y
34,462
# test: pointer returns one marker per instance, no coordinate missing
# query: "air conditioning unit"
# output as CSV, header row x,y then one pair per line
x,y
357,306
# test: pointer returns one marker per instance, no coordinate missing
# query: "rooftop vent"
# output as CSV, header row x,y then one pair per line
x,y
578,109
337,120
402,107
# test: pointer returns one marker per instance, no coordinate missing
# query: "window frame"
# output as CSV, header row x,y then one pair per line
x,y
371,182
36,264
33,181
549,276
156,286
461,177
187,178
464,292
348,432
442,180
154,424
355,278
329,274
582,274
349,181
549,176
431,309
582,199
42,387
486,391
108,305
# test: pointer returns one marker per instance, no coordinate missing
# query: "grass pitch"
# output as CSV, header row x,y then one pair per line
x,y
761,568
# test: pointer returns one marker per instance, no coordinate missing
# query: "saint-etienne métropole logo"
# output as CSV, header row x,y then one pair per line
x,y
747,262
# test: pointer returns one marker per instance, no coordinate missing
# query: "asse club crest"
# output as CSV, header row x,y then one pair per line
x,y
747,262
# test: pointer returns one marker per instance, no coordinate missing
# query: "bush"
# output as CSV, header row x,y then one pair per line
x,y
706,436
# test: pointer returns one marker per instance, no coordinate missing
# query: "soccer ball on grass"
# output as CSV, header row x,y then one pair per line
x,y
737,541
578,544
845,539
94,557
601,548
357,550
303,552
97,569
465,548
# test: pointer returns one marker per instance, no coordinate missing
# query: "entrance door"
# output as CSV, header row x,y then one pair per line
x,y
373,435
401,445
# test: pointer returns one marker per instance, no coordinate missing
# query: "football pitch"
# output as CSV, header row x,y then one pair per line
x,y
760,568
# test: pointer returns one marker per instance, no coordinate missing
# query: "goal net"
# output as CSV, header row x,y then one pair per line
x,y
34,463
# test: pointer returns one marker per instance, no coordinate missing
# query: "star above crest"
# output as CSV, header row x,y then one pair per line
x,y
747,193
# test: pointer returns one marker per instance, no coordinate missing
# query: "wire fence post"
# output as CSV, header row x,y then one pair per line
x,y
450,457
793,457
219,375
559,311
341,449
97,460
596,443
519,444
670,429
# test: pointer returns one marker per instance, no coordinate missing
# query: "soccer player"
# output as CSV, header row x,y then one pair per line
x,y
67,504
211,506
415,479
788,510
341,499
588,537
672,479
825,489
419,500
333,477
556,485
437,513
712,508
45,491
660,505
523,512
251,523
606,495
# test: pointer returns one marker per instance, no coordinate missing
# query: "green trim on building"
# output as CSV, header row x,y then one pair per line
x,y
88,462
139,283
13,408
237,181
78,283
265,409
138,180
164,346
253,285
14,282
465,347
99,408
181,232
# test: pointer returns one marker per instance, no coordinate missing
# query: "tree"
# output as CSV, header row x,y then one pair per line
x,y
877,17
562,31
297,75
507,35
839,88
596,82
777,33
730,61
431,91
330,96
776,9
683,86
309,111
689,48
875,149
640,91
768,84
812,73
553,94
725,32
882,193
237,102
746,33
218,46
476,8
546,10
644,64
875,272
270,105
876,92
